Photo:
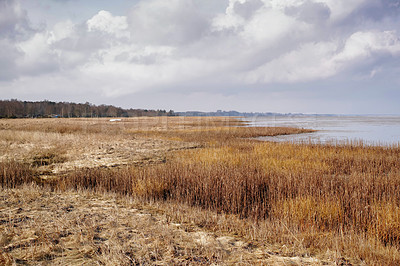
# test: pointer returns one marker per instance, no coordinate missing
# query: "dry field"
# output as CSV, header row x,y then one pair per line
x,y
178,190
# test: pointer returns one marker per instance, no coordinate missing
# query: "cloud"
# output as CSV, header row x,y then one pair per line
x,y
309,62
105,22
246,9
316,61
14,27
8,57
366,44
310,12
375,10
174,46
365,54
158,22
342,9
14,22
38,57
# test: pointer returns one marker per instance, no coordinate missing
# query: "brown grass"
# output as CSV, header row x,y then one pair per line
x,y
104,125
82,227
333,202
14,174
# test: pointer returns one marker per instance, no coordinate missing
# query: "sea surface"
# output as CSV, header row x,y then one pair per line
x,y
370,130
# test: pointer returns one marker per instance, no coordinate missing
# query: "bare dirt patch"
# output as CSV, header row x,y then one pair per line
x,y
57,146
57,155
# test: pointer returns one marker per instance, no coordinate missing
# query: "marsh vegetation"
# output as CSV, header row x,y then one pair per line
x,y
305,203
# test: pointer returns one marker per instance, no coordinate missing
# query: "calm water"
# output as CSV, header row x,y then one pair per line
x,y
371,130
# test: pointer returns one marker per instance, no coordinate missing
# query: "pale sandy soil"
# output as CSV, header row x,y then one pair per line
x,y
72,151
59,146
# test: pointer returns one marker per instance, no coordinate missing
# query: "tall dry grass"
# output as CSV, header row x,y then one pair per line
x,y
319,187
216,136
14,174
316,191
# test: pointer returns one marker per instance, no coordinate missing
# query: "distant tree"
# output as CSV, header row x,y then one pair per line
x,y
17,109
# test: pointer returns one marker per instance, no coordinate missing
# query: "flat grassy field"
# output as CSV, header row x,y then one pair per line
x,y
191,190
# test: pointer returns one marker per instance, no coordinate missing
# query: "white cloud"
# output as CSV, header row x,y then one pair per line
x,y
61,30
269,27
106,22
38,57
366,44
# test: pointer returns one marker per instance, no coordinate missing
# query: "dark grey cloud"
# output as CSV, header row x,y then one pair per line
x,y
8,56
14,27
173,22
14,23
82,41
247,8
310,12
378,10
378,15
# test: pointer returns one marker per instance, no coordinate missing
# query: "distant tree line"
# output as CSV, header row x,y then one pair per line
x,y
24,109
234,113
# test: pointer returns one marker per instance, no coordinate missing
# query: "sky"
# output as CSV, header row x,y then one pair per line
x,y
287,56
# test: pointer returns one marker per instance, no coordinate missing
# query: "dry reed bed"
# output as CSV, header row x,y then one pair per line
x,y
316,191
217,135
263,180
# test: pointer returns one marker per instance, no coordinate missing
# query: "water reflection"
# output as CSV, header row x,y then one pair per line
x,y
371,130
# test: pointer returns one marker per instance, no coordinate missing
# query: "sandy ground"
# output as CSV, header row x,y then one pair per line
x,y
55,154
40,227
